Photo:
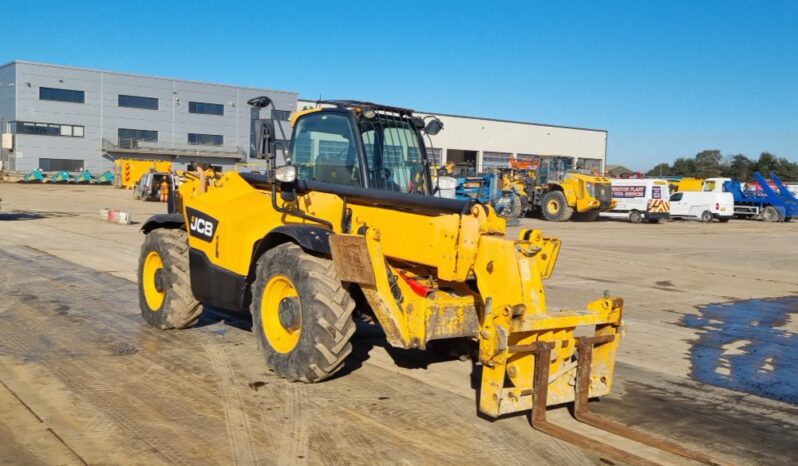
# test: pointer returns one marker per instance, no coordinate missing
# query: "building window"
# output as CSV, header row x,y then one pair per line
x,y
206,108
495,160
281,115
129,138
46,129
134,101
527,157
205,139
62,95
57,165
434,156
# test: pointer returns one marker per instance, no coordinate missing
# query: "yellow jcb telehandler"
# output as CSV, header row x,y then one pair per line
x,y
352,209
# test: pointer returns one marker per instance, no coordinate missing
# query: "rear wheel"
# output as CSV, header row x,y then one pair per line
x,y
165,296
723,219
555,207
771,214
706,216
301,314
635,216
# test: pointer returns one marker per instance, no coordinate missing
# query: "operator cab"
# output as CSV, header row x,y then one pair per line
x,y
361,144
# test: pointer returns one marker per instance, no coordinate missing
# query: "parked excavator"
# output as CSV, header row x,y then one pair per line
x,y
352,210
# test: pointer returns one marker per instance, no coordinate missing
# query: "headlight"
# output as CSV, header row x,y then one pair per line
x,y
446,183
286,174
591,189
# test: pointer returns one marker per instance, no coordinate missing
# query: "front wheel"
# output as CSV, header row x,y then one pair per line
x,y
165,296
555,207
706,216
589,216
635,216
301,314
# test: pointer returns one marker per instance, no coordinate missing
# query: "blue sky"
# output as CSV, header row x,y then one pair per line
x,y
666,79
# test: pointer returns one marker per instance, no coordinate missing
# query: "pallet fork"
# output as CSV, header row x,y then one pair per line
x,y
582,413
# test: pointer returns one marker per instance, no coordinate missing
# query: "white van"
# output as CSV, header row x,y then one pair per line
x,y
640,199
703,205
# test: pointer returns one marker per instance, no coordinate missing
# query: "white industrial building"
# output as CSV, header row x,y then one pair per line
x,y
55,117
484,143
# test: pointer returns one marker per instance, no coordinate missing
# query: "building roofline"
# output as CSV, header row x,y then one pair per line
x,y
135,75
498,120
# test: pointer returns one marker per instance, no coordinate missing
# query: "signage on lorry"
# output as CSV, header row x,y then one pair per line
x,y
619,191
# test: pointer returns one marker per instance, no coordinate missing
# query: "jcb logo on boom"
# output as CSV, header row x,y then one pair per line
x,y
200,225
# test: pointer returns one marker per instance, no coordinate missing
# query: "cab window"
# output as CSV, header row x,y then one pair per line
x,y
676,197
324,149
393,155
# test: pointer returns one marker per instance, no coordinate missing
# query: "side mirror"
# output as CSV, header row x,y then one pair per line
x,y
260,102
433,127
264,129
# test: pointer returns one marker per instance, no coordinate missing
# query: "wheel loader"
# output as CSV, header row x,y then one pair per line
x,y
557,193
351,210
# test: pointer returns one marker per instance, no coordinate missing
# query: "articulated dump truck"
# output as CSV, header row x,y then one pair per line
x,y
352,210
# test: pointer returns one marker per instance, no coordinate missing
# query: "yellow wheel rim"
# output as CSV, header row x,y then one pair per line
x,y
152,264
283,339
554,206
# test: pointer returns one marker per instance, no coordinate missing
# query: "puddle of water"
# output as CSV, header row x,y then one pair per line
x,y
744,346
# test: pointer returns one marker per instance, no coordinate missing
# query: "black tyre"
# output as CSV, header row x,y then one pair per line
x,y
165,295
771,214
508,207
653,220
635,216
516,210
723,219
555,207
589,216
706,216
301,314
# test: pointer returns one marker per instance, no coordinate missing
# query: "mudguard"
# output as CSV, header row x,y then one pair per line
x,y
311,238
173,221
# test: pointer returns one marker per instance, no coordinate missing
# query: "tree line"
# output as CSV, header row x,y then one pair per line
x,y
711,163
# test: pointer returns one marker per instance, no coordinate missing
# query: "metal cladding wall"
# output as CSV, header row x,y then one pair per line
x,y
486,135
7,107
102,116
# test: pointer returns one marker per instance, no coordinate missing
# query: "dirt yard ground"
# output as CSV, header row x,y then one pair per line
x,y
710,356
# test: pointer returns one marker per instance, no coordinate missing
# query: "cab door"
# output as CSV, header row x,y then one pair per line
x,y
679,205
